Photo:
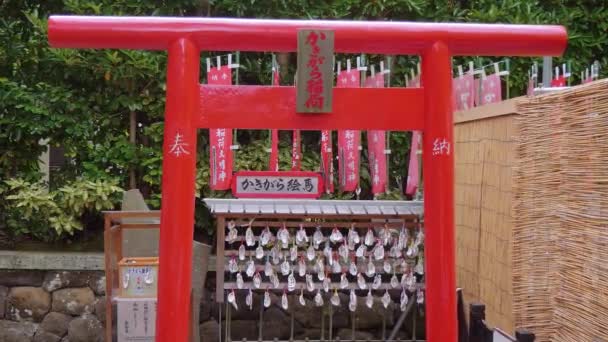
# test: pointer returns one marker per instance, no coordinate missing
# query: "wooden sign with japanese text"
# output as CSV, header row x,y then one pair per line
x,y
275,184
315,71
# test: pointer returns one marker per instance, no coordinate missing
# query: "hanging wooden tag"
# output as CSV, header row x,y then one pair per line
x,y
315,71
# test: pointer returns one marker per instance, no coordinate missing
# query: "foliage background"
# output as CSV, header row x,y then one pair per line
x,y
81,100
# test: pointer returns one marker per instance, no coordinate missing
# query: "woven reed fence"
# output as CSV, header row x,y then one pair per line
x,y
560,230
485,142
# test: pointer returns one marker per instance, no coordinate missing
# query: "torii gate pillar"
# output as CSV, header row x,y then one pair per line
x,y
191,106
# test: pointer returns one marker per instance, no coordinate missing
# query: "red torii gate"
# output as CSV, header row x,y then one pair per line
x,y
191,106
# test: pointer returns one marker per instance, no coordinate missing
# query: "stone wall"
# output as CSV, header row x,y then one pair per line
x,y
69,306
52,306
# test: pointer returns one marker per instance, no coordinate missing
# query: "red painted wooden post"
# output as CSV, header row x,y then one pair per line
x,y
177,215
438,166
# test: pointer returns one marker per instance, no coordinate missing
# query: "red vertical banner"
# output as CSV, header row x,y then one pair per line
x,y
491,91
376,144
558,82
327,167
413,175
348,140
464,91
273,162
220,139
296,151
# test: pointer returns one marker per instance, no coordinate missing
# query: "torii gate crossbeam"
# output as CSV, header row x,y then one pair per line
x,y
190,106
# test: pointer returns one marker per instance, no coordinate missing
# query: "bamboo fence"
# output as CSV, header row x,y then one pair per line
x,y
560,235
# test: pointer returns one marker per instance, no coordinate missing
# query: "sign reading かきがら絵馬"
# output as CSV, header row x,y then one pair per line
x,y
274,184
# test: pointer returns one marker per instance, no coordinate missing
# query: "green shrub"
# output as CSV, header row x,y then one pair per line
x,y
31,209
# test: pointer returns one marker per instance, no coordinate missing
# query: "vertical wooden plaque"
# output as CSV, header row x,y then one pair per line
x,y
315,75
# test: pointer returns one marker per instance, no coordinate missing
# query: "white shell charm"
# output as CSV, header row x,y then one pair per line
x,y
387,267
328,253
369,237
268,270
232,233
291,282
353,238
403,237
233,266
369,300
412,250
371,268
232,299
361,281
283,236
326,282
293,253
352,268
403,300
343,281
265,237
386,299
336,236
379,251
395,252
310,253
320,269
301,298
257,280
377,282
318,299
249,299
274,279
310,284
285,267
419,268
410,282
386,236
250,269
360,252
301,237
352,302
259,252
239,281
343,252
335,299
301,267
275,254
336,267
242,252
394,281
249,238
284,301
317,238
267,299
420,297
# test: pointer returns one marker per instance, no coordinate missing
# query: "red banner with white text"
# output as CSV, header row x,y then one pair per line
x,y
327,167
413,176
376,144
463,92
491,91
220,139
273,162
348,140
296,151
